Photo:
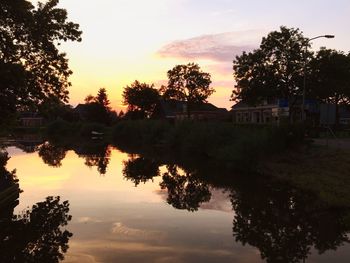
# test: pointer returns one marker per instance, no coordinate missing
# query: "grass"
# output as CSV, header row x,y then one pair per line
x,y
324,171
236,146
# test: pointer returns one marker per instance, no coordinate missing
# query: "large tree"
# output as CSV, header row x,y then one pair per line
x,y
98,107
330,77
188,83
102,99
141,97
36,71
274,70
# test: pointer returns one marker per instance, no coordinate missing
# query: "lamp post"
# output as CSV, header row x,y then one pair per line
x,y
303,116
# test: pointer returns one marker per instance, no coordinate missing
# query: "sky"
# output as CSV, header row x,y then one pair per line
x,y
127,40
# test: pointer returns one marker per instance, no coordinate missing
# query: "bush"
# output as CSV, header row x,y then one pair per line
x,y
61,128
239,146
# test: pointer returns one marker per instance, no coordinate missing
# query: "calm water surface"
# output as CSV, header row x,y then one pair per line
x,y
127,208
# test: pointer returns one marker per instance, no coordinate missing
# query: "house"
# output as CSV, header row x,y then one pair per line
x,y
177,110
275,111
168,109
82,111
30,119
265,113
203,111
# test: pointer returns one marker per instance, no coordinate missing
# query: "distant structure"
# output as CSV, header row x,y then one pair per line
x,y
277,111
273,111
177,110
30,119
82,111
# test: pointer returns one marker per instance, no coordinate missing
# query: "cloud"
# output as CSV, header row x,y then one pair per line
x,y
217,47
87,219
127,232
220,201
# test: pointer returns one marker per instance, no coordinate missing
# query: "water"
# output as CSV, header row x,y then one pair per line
x,y
132,208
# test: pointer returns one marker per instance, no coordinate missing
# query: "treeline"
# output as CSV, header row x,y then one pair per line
x,y
238,147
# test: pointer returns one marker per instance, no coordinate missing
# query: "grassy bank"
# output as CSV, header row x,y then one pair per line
x,y
237,146
62,129
321,170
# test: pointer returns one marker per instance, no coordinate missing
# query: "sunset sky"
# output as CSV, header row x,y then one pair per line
x,y
124,40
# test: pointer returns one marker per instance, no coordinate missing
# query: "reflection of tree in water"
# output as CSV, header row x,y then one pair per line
x,y
184,191
52,154
36,235
7,178
284,224
99,159
140,170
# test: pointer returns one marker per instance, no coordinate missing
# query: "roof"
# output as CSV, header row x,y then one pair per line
x,y
207,107
172,107
240,105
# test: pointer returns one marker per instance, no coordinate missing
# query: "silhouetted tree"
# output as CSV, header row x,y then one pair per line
x,y
36,71
140,97
329,77
102,99
53,110
187,83
89,99
273,71
121,114
140,170
36,235
184,191
98,108
12,87
52,154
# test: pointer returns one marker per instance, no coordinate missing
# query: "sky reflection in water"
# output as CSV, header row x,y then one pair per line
x,y
114,221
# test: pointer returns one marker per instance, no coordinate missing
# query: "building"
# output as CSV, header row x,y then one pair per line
x,y
177,110
265,113
274,111
31,119
344,115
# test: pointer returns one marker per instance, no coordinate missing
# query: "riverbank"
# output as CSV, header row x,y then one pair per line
x,y
262,151
239,147
319,169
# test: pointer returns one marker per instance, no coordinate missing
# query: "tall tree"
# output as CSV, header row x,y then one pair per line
x,y
29,35
102,99
273,71
330,77
188,83
98,107
141,97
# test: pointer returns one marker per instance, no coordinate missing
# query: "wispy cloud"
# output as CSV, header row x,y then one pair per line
x,y
124,231
217,47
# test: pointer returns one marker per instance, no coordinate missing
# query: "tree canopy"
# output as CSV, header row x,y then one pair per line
x,y
274,70
141,97
188,83
35,69
98,107
330,76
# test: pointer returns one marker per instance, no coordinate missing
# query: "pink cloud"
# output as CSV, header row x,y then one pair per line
x,y
217,47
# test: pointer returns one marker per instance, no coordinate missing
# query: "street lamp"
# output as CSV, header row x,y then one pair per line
x,y
305,63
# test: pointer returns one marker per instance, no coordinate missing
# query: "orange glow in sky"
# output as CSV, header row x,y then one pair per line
x,y
125,40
